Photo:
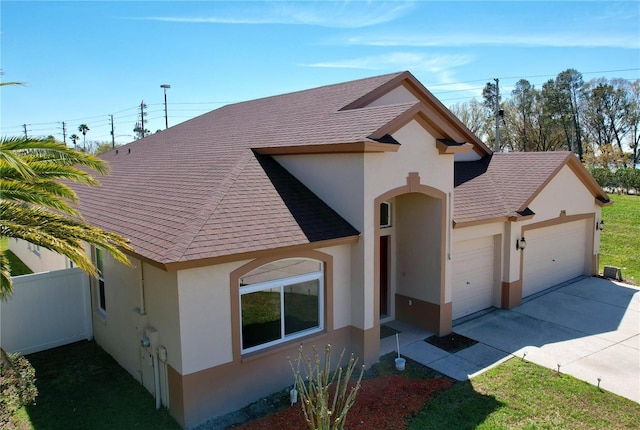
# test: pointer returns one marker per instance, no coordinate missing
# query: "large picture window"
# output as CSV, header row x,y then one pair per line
x,y
281,301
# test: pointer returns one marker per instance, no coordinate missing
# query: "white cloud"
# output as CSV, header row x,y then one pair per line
x,y
568,39
435,70
398,60
334,14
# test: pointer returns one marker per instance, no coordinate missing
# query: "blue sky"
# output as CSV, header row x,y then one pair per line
x,y
85,60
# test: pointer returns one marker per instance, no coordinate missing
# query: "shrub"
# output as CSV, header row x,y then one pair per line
x,y
326,396
17,386
628,179
604,177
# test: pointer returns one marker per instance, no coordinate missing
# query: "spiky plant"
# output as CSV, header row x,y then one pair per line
x,y
325,396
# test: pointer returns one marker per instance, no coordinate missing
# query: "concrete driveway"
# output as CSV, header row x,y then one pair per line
x,y
590,327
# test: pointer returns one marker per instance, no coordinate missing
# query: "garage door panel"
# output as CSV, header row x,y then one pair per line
x,y
553,255
473,276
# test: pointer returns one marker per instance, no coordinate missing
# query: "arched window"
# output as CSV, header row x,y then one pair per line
x,y
280,301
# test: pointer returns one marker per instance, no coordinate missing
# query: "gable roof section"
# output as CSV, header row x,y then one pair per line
x,y
502,186
439,120
201,190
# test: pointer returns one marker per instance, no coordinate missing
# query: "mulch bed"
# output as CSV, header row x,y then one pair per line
x,y
451,343
383,403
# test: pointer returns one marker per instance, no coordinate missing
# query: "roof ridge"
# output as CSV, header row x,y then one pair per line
x,y
188,235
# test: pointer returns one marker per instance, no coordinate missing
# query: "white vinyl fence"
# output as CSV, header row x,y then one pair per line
x,y
46,310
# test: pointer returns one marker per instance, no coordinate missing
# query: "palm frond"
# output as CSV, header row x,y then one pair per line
x,y
36,205
30,150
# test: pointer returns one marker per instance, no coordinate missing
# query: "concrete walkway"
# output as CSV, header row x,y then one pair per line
x,y
590,327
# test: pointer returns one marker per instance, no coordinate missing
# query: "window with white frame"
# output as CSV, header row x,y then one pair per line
x,y
102,303
385,214
281,301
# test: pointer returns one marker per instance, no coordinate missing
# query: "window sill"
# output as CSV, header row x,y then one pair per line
x,y
101,316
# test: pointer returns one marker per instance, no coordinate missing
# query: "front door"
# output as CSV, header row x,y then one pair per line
x,y
384,276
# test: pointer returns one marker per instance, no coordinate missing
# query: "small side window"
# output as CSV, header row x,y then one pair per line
x,y
102,302
385,214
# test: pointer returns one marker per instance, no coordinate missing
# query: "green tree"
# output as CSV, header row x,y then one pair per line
x,y
570,86
632,121
102,147
37,205
74,138
606,107
83,128
523,101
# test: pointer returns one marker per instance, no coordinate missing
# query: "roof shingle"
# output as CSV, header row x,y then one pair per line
x,y
502,184
197,190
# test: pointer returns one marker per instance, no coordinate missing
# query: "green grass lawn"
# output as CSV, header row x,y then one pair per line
x,y
620,240
81,387
522,395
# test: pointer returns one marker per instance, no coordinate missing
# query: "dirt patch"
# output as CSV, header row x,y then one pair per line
x,y
451,343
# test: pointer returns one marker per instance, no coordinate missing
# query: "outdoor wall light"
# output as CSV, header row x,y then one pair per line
x,y
521,243
600,225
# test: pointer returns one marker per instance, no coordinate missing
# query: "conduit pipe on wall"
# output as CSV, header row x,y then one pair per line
x,y
162,356
152,335
156,377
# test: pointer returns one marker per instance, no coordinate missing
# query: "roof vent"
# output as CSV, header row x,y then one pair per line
x,y
116,152
129,152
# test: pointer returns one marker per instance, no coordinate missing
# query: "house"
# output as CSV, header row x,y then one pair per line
x,y
36,258
313,217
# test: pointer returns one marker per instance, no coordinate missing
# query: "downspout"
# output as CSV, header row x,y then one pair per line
x,y
142,304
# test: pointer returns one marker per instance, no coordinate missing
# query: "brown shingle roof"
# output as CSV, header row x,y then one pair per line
x,y
198,190
503,184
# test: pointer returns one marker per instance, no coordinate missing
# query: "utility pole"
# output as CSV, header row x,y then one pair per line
x,y
25,131
497,144
166,118
64,132
139,127
113,136
142,115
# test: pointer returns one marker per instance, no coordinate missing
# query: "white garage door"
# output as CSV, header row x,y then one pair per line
x,y
554,255
473,276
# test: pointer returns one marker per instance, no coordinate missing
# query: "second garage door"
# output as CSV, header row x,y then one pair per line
x,y
473,276
553,255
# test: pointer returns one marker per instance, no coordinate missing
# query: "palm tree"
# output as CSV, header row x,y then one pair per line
x,y
36,206
74,138
83,128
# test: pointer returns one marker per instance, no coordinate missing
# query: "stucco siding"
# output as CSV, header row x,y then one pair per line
x,y
417,153
205,316
341,285
565,192
37,258
161,305
116,332
338,179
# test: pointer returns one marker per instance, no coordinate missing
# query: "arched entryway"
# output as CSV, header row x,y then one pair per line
x,y
410,253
